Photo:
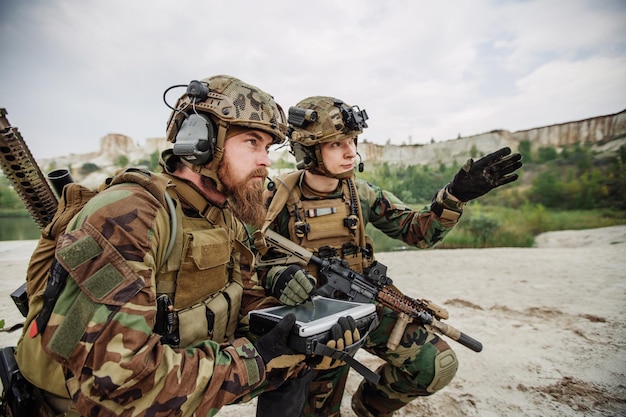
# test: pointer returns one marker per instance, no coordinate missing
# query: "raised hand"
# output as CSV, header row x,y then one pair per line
x,y
478,178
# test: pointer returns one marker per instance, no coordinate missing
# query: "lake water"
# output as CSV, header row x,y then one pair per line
x,y
18,228
24,228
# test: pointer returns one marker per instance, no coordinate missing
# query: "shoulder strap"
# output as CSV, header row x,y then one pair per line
x,y
349,188
285,189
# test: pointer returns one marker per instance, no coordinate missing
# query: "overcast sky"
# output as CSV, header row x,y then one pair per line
x,y
74,71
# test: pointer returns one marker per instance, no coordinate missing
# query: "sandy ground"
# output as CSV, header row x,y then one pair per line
x,y
550,318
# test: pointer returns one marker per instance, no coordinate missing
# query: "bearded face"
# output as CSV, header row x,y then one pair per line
x,y
244,191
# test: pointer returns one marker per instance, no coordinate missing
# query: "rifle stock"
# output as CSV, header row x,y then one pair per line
x,y
375,285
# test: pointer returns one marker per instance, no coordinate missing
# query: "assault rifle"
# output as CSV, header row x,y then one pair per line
x,y
373,285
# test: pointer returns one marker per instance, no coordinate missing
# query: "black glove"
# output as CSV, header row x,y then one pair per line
x,y
478,178
291,284
273,347
343,334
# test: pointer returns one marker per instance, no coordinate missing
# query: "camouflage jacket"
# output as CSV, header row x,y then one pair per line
x,y
101,329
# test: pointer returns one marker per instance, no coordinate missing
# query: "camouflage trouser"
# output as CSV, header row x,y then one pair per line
x,y
422,364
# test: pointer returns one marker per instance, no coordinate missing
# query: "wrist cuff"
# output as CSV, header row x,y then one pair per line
x,y
447,206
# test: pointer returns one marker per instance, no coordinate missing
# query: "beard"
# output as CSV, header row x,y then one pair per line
x,y
245,197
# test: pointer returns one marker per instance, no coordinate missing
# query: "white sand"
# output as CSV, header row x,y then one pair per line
x,y
550,318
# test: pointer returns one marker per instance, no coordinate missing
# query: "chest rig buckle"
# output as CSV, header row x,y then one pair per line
x,y
351,222
302,228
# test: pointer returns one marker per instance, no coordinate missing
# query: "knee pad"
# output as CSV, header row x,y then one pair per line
x,y
446,365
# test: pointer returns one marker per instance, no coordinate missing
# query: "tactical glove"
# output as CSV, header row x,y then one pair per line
x,y
478,178
290,284
344,333
273,347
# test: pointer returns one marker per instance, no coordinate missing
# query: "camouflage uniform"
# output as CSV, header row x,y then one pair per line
x,y
121,260
103,337
333,225
423,362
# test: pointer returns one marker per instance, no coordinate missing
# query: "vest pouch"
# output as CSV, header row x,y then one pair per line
x,y
193,325
224,310
203,271
355,262
326,218
215,319
234,292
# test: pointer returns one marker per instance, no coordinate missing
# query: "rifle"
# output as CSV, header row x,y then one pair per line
x,y
372,286
22,171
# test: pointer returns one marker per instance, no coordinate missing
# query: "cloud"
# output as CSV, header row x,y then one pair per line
x,y
74,71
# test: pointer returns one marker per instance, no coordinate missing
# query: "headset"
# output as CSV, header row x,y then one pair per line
x,y
196,139
196,136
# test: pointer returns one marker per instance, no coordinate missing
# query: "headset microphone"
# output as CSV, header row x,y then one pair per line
x,y
361,164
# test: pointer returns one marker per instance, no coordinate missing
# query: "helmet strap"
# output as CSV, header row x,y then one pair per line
x,y
320,168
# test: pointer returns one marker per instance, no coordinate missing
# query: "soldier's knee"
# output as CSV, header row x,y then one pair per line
x,y
446,366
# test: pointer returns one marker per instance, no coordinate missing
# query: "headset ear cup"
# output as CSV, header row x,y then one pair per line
x,y
196,139
305,158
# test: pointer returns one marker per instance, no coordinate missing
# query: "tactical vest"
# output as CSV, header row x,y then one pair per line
x,y
331,227
199,282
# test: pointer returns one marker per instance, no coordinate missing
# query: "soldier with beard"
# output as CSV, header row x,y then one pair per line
x,y
153,272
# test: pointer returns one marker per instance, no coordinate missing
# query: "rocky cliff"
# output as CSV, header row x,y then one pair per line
x,y
603,133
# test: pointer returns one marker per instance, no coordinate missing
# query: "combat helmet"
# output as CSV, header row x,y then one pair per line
x,y
321,119
199,123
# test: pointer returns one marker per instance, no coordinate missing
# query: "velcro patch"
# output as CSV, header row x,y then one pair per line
x,y
67,336
103,281
79,252
247,353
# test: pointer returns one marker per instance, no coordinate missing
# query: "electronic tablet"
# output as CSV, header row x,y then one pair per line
x,y
314,320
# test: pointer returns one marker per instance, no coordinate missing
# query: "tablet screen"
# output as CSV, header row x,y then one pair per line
x,y
319,309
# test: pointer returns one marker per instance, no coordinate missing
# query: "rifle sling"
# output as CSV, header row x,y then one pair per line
x,y
346,355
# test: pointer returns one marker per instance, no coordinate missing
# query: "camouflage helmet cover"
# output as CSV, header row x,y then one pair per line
x,y
232,102
322,119
219,103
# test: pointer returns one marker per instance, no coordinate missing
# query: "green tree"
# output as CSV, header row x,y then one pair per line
x,y
548,153
88,168
122,161
482,228
546,189
621,154
525,148
8,197
474,151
